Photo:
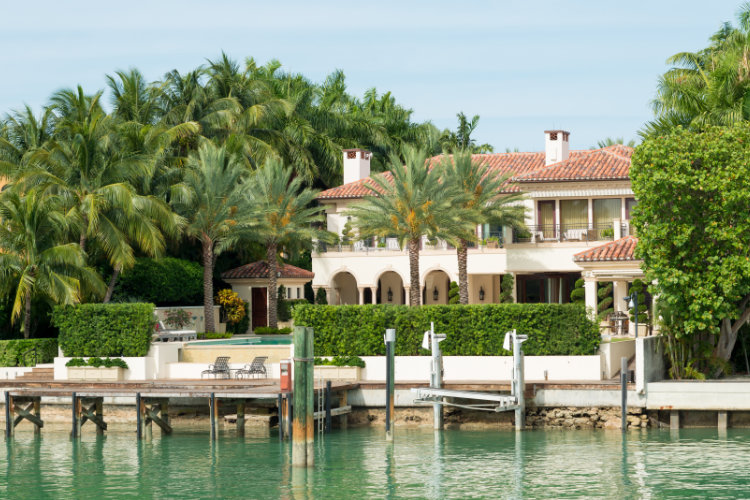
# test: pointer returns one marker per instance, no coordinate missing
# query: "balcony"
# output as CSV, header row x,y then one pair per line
x,y
494,240
568,232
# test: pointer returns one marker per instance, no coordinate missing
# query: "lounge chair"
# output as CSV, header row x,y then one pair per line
x,y
219,367
257,367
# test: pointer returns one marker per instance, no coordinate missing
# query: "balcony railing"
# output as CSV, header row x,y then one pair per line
x,y
568,232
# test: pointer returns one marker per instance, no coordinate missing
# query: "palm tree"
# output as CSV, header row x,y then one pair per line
x,y
482,200
35,258
286,215
213,198
409,201
461,140
708,87
22,135
134,99
609,141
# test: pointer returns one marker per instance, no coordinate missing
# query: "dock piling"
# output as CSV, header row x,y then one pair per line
x,y
8,421
213,410
74,405
624,391
303,428
390,345
518,380
328,406
138,416
310,409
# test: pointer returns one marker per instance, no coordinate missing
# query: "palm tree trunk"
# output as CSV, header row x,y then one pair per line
x,y
414,295
208,284
463,277
82,242
27,315
273,297
112,282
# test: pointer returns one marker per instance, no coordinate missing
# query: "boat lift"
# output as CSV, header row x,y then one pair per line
x,y
438,397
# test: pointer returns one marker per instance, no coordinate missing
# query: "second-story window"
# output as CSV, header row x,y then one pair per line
x,y
574,214
605,211
629,204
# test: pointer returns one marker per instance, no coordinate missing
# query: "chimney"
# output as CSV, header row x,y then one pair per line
x,y
356,164
556,146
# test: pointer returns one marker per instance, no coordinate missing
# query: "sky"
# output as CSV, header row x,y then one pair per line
x,y
589,67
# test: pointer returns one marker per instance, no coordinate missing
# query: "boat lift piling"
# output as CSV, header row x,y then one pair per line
x,y
390,348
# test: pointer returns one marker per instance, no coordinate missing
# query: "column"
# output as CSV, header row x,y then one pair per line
x,y
591,213
617,226
330,296
407,289
557,231
361,290
619,291
589,286
374,292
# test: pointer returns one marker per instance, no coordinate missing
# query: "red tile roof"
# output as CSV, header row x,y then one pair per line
x,y
610,163
260,270
622,249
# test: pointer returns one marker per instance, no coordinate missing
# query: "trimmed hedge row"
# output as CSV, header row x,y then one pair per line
x,y
105,330
11,351
472,330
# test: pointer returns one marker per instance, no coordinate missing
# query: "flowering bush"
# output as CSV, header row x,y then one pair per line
x,y
233,305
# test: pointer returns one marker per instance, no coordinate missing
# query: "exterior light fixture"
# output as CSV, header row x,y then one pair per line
x,y
481,293
435,293
632,301
390,295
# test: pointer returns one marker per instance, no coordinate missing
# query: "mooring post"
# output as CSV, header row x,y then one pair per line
x,y
390,345
164,407
138,416
299,425
436,381
74,405
289,413
328,406
214,413
518,380
310,380
343,419
37,413
624,390
100,415
280,411
8,420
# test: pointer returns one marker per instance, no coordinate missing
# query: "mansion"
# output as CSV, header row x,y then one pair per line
x,y
578,225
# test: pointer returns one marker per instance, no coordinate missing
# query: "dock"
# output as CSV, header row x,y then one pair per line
x,y
152,400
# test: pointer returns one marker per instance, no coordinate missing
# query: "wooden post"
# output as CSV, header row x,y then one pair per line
x,y
343,419
164,407
138,416
328,406
299,424
213,410
624,393
100,415
289,412
722,420
310,379
241,418
76,428
280,412
8,420
37,413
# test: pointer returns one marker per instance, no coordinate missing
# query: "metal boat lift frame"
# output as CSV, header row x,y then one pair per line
x,y
437,396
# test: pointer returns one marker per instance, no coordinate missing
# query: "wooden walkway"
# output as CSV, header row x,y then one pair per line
x,y
152,398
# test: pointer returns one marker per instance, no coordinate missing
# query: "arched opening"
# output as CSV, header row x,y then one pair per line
x,y
436,286
345,289
390,289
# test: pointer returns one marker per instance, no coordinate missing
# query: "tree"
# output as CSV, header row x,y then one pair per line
x,y
461,140
609,141
213,198
35,258
481,197
286,216
578,294
408,202
708,87
693,192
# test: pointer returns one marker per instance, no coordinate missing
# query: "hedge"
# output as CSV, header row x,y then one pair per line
x,y
285,307
105,329
472,330
164,282
11,351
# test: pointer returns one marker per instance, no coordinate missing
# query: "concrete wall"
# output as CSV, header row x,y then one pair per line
x,y
196,353
612,353
149,367
649,362
198,322
13,372
486,368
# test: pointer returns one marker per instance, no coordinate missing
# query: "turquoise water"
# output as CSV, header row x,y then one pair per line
x,y
360,464
249,341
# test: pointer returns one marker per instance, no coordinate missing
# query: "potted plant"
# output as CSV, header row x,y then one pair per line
x,y
96,369
347,237
493,242
178,318
339,368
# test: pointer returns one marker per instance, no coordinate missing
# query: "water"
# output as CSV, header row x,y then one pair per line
x,y
286,340
360,464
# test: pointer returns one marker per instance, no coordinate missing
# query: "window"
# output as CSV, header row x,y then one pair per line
x,y
574,214
629,204
546,218
605,211
298,289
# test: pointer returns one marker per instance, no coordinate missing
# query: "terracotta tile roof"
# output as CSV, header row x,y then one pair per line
x,y
610,163
622,249
260,270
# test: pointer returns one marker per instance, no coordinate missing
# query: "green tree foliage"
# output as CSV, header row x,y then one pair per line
x,y
461,139
163,282
473,330
105,329
15,352
644,301
453,297
609,141
507,282
321,297
606,299
578,294
693,192
708,87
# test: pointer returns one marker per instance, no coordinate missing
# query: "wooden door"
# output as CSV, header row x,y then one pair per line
x,y
259,307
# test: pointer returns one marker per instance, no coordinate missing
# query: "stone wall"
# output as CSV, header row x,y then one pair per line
x,y
584,418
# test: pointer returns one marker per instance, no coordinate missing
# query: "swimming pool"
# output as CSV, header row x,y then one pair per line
x,y
260,340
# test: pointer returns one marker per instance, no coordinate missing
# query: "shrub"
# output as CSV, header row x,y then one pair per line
x,y
105,329
12,351
97,362
606,300
644,299
242,325
164,282
285,308
506,289
472,330
321,297
578,294
267,330
233,307
213,335
453,293
341,361
178,318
